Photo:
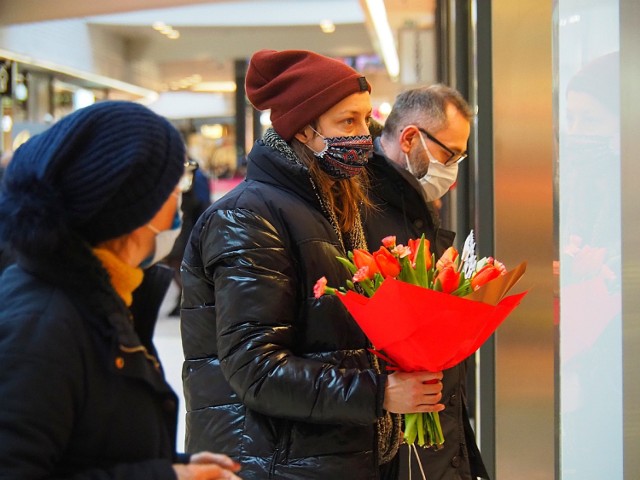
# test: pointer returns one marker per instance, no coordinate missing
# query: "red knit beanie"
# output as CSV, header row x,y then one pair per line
x,y
298,86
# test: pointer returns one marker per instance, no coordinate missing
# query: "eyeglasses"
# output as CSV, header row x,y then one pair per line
x,y
454,157
186,181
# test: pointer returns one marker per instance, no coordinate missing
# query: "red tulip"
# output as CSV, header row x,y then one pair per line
x,y
362,258
482,276
414,243
492,269
387,263
448,279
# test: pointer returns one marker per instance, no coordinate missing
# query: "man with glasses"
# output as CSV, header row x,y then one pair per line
x,y
415,162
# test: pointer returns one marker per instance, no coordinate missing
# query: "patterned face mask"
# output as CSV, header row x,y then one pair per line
x,y
344,157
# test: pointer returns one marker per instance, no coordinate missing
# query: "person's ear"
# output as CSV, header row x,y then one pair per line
x,y
407,137
305,135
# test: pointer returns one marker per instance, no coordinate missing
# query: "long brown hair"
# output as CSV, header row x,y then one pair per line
x,y
345,197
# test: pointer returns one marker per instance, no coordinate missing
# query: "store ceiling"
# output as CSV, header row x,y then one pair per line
x,y
215,33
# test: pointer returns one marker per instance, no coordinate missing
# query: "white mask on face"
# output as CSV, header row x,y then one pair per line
x,y
165,239
439,178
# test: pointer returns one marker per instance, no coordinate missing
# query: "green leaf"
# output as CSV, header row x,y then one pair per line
x,y
407,273
368,287
431,272
463,289
422,278
420,424
439,436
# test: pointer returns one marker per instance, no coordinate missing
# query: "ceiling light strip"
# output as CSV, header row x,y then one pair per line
x,y
386,41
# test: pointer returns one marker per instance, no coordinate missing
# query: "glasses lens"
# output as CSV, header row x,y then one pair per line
x,y
185,182
456,158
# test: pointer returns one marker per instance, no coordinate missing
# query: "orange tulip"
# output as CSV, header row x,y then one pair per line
x,y
448,279
448,258
484,275
362,258
492,269
387,263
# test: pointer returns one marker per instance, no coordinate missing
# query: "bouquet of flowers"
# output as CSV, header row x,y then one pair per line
x,y
442,311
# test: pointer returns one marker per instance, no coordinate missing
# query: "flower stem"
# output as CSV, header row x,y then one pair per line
x,y
424,429
421,440
410,427
438,435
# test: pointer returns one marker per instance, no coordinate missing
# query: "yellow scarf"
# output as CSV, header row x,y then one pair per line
x,y
124,278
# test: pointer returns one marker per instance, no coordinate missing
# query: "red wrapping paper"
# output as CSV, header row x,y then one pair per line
x,y
421,329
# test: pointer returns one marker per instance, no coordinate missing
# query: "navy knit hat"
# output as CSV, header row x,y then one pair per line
x,y
100,172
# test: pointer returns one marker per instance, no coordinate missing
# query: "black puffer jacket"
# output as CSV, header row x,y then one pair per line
x,y
278,380
83,395
403,211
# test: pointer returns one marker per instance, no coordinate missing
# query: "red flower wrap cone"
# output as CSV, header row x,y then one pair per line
x,y
421,329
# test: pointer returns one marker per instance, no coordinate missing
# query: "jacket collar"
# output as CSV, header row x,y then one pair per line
x,y
391,181
83,278
272,161
81,275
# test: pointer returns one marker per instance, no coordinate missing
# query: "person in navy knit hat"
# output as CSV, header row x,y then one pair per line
x,y
277,379
84,206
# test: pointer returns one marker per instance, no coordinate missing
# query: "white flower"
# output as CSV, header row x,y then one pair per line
x,y
468,256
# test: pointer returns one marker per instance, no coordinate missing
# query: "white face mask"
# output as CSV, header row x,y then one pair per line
x,y
438,178
418,167
165,239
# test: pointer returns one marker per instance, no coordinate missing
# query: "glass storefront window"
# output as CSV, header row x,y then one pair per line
x,y
589,230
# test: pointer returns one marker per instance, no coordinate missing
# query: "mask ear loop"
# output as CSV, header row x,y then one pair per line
x,y
326,144
178,197
426,149
411,170
429,156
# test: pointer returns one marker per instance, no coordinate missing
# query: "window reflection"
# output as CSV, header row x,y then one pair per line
x,y
589,235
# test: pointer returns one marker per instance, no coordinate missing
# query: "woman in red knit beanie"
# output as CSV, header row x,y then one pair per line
x,y
278,380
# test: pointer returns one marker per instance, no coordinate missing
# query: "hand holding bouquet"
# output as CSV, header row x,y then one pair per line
x,y
422,314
